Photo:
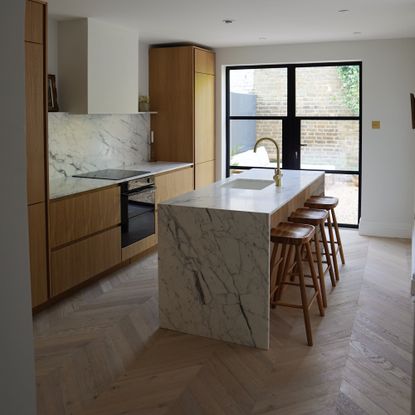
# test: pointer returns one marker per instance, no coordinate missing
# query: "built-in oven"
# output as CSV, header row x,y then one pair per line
x,y
137,210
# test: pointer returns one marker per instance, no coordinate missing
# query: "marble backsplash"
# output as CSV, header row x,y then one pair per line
x,y
82,143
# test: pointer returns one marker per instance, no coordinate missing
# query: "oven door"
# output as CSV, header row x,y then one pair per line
x,y
137,215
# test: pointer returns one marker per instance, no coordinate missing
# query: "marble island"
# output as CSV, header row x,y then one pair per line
x,y
214,253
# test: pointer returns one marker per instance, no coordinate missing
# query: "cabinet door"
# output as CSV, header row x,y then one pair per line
x,y
34,17
76,217
204,117
204,174
38,253
171,90
35,123
204,61
85,259
173,184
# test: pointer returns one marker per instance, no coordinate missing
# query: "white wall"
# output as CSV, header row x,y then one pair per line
x,y
389,153
143,68
53,46
17,385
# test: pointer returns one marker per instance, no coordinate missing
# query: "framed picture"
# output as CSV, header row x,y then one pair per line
x,y
413,110
52,94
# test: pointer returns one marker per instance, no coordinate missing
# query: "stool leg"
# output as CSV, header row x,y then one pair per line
x,y
314,278
327,254
304,300
339,241
273,281
333,248
283,274
320,269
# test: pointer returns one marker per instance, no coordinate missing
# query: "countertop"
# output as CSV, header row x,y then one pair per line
x,y
73,185
268,200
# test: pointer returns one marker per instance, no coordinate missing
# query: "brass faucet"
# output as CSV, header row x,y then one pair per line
x,y
278,174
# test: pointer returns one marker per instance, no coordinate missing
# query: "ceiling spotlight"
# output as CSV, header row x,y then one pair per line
x,y
343,11
357,33
228,21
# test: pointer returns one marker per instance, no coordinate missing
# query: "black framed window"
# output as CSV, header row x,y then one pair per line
x,y
313,111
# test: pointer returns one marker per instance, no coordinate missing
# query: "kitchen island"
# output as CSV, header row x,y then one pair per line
x,y
214,253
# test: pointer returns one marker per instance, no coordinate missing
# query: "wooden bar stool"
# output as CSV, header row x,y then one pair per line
x,y
294,238
317,218
329,203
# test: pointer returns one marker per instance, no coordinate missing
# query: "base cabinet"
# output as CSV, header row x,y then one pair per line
x,y
84,259
204,174
38,253
170,185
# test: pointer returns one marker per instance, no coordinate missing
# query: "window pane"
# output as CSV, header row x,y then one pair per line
x,y
330,145
327,91
243,136
258,92
346,188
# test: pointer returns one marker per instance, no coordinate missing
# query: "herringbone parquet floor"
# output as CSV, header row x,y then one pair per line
x,y
100,352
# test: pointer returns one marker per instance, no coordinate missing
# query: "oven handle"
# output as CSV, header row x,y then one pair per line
x,y
140,190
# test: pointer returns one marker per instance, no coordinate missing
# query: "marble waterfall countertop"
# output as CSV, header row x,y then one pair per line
x,y
221,195
72,185
214,254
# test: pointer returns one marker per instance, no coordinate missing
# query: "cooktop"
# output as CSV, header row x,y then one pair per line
x,y
111,174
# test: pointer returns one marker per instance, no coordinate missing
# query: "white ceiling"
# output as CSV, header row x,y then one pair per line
x,y
279,21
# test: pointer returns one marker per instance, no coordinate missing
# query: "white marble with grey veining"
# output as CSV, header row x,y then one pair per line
x,y
84,143
213,273
220,196
214,255
65,186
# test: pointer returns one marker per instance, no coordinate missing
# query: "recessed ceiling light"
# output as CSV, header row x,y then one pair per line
x,y
343,11
262,38
357,33
228,21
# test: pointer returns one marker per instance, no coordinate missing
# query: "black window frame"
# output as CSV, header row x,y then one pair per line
x,y
292,122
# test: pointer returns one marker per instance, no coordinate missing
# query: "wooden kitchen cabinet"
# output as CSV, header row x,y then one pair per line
x,y
182,91
35,123
84,214
173,184
36,147
82,260
38,253
204,174
35,21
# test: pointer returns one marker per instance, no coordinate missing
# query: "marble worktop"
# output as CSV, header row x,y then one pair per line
x,y
268,200
66,186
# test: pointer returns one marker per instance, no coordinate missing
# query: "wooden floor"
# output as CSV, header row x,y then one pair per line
x,y
101,352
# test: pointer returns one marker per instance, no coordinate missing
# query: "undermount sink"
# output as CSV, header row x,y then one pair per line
x,y
249,184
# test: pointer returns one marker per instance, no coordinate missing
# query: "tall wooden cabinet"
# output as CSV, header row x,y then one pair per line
x,y
36,146
182,91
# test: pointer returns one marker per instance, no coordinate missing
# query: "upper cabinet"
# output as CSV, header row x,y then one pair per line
x,y
98,67
182,91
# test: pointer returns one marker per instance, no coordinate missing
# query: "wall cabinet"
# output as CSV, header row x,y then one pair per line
x,y
182,91
36,147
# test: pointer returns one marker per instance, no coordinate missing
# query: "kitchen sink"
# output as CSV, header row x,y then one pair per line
x,y
249,184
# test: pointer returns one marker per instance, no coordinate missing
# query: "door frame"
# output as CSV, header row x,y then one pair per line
x,y
292,123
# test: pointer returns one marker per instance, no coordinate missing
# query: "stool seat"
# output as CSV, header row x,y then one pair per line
x,y
292,233
309,216
322,202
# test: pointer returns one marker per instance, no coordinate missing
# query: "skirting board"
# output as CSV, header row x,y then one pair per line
x,y
387,230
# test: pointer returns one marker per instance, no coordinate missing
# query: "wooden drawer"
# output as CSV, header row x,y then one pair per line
x,y
204,174
38,253
76,217
173,184
34,16
82,260
204,61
